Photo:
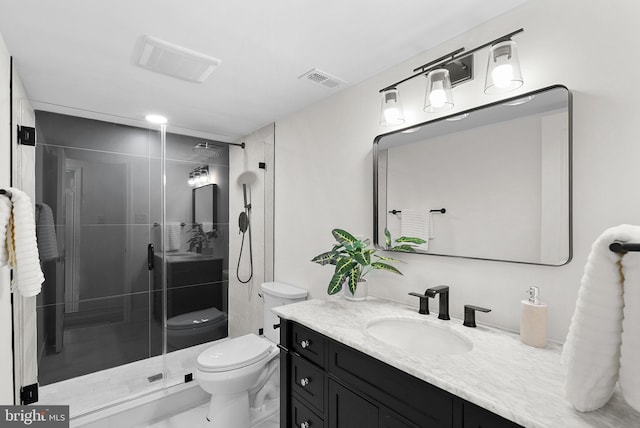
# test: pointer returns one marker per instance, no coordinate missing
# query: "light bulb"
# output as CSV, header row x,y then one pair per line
x,y
502,75
191,181
437,97
392,115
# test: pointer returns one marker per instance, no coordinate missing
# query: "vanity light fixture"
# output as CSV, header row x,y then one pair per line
x,y
199,176
448,71
391,113
503,68
438,96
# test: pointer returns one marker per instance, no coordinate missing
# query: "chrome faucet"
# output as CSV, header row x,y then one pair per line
x,y
443,291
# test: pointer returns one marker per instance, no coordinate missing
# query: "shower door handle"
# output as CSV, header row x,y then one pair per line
x,y
150,256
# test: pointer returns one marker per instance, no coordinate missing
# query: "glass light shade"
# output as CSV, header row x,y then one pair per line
x,y
503,69
192,180
438,97
391,113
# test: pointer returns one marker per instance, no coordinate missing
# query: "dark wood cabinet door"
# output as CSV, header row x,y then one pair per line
x,y
389,419
348,410
477,417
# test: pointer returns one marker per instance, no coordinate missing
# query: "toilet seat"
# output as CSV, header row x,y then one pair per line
x,y
234,354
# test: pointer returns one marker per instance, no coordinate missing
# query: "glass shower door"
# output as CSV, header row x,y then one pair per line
x,y
99,335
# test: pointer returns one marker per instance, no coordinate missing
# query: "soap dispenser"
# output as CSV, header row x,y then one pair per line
x,y
533,325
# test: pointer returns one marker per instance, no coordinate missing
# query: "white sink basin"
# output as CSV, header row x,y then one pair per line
x,y
418,337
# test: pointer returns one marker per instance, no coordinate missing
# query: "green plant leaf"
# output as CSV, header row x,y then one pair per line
x,y
335,284
387,237
325,258
384,266
363,257
403,248
343,237
344,265
411,240
389,259
354,276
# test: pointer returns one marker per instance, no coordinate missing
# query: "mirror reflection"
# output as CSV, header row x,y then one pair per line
x,y
489,183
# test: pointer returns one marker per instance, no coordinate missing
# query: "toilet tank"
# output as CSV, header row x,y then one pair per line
x,y
278,294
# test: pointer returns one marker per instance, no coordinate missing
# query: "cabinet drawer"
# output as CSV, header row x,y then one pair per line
x,y
302,416
307,381
308,343
419,402
477,417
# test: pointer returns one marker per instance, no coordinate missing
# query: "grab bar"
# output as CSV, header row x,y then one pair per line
x,y
439,210
623,247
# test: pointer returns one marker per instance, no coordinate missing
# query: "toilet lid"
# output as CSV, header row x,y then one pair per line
x,y
234,353
196,319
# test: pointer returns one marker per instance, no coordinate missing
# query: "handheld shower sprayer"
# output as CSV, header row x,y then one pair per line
x,y
246,179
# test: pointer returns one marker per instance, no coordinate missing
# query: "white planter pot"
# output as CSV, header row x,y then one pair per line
x,y
362,290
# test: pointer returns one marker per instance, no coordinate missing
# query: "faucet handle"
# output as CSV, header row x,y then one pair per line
x,y
470,314
424,302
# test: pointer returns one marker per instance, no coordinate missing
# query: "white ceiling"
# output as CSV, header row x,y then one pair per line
x,y
81,54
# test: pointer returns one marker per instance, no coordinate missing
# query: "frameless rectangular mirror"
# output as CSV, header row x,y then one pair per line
x,y
489,183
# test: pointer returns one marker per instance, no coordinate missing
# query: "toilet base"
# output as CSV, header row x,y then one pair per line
x,y
229,411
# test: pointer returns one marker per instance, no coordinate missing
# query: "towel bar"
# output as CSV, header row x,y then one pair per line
x,y
183,224
440,210
6,193
623,247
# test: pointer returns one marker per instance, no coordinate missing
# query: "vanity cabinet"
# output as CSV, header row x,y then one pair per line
x,y
325,383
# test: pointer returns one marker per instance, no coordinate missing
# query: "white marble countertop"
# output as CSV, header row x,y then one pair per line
x,y
506,377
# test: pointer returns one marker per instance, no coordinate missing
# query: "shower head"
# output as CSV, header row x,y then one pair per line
x,y
247,178
208,150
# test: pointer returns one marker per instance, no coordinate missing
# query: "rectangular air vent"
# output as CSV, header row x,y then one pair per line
x,y
173,60
321,78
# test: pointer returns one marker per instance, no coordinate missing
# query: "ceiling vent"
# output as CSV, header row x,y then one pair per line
x,y
321,78
173,60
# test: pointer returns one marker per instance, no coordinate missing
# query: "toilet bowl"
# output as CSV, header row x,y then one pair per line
x,y
194,328
242,372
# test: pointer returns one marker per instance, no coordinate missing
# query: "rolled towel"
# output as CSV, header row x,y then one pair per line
x,y
28,277
415,224
46,233
173,236
5,214
592,350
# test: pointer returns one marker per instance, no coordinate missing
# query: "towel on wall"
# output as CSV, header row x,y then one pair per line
x,y
415,224
46,233
173,236
5,215
597,353
22,245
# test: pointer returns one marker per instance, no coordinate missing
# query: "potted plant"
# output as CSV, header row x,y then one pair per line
x,y
354,258
200,239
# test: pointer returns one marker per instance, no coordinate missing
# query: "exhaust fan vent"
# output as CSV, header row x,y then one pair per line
x,y
173,60
321,78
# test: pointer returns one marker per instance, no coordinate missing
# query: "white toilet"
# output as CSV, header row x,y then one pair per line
x,y
242,372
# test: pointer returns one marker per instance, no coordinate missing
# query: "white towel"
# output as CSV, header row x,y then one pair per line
x,y
595,342
28,277
415,224
5,214
46,233
173,236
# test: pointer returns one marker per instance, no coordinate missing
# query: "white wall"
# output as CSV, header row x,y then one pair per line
x,y
6,357
324,162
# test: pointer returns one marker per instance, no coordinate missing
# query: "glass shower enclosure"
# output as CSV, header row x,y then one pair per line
x,y
136,248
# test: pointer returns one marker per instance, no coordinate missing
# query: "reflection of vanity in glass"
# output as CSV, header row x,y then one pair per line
x,y
194,282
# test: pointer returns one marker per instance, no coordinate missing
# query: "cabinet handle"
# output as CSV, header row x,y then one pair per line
x,y
304,381
305,344
305,424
